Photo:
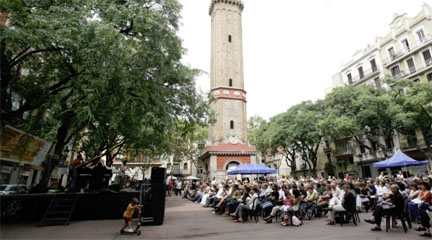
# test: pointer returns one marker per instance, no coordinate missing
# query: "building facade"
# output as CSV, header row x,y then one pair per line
x,y
406,49
364,68
405,52
228,145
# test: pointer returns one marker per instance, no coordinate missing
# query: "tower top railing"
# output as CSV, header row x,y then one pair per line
x,y
238,3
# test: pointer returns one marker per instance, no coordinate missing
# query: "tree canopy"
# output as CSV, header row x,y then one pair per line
x,y
106,74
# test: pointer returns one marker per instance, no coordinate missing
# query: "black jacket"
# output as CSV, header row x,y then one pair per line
x,y
349,202
398,200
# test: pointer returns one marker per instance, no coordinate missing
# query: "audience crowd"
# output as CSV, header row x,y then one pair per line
x,y
292,201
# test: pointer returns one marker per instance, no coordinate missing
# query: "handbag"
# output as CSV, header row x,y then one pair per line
x,y
295,221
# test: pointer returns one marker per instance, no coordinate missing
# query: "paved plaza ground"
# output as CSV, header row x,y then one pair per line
x,y
185,220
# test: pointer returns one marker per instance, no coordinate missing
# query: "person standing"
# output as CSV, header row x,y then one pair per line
x,y
75,164
178,190
167,186
122,173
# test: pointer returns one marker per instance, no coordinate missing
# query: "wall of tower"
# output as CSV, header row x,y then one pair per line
x,y
226,73
226,57
228,110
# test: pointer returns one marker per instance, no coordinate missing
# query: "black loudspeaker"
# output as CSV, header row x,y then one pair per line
x,y
158,175
158,194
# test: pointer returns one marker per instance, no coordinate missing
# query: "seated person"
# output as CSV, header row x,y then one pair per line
x,y
392,206
324,199
271,202
348,203
247,205
206,193
365,194
425,224
422,202
238,197
229,192
310,200
414,192
292,204
280,204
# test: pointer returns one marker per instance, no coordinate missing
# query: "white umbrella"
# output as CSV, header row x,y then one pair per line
x,y
192,178
172,177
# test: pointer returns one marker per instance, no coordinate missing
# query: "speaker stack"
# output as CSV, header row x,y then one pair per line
x,y
158,176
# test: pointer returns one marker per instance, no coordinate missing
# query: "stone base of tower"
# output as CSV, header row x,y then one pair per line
x,y
218,159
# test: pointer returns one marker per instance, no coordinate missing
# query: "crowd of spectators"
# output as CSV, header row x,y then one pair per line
x,y
293,200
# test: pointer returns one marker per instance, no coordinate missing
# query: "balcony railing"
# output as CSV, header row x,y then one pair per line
x,y
412,47
414,70
343,150
366,74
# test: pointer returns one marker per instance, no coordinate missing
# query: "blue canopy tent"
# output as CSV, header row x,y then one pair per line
x,y
399,160
247,168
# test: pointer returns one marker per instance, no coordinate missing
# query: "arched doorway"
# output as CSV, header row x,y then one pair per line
x,y
232,165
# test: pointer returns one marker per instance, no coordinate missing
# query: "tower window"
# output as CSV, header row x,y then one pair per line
x,y
232,124
229,38
230,82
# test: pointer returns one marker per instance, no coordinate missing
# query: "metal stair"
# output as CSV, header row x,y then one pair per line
x,y
59,210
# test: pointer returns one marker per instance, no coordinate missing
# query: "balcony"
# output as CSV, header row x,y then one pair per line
x,y
415,70
365,157
413,47
419,69
343,150
367,74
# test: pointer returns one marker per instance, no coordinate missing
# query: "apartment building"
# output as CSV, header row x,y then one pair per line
x,y
364,68
406,51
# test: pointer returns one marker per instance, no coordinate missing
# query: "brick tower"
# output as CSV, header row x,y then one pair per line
x,y
228,145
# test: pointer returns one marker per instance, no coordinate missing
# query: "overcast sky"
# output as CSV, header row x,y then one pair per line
x,y
291,48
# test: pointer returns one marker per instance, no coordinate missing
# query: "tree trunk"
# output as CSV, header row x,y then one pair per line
x,y
53,161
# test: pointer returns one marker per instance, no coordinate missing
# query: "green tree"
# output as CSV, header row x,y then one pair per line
x,y
187,143
364,113
306,131
253,125
416,102
275,138
105,74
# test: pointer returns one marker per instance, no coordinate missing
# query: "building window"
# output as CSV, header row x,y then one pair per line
x,y
406,45
361,73
185,166
230,82
427,57
231,124
229,38
416,80
411,66
421,35
429,77
349,78
377,82
373,65
396,72
392,53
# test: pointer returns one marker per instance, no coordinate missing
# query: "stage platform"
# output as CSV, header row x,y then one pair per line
x,y
89,206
